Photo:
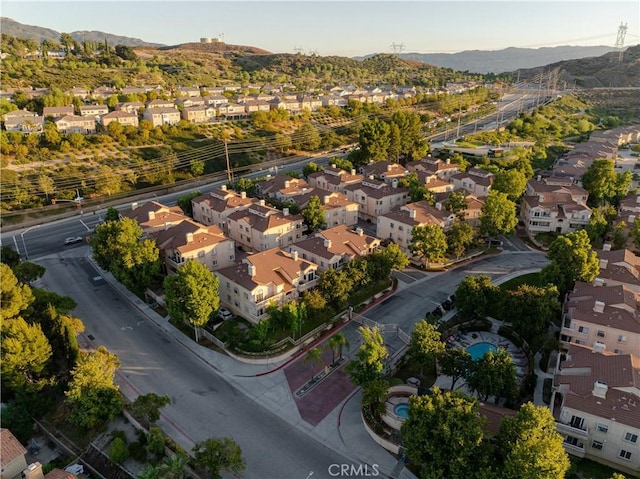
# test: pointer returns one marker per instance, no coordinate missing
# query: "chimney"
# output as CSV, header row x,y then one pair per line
x,y
251,269
152,215
261,202
243,194
599,390
538,178
223,187
394,183
598,282
359,231
327,243
632,218
598,307
606,247
353,172
371,177
326,199
189,237
294,255
285,211
287,184
412,213
167,225
439,206
333,165
598,347
33,471
604,263
134,205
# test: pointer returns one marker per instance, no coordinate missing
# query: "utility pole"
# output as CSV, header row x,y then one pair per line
x,y
226,154
622,31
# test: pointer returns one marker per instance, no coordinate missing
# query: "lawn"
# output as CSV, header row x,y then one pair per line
x,y
532,279
545,239
586,469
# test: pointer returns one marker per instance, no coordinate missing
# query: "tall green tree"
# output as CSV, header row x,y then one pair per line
x,y
498,215
307,137
25,353
572,259
455,363
313,357
335,286
511,182
369,362
184,202
147,407
192,294
531,446
413,144
456,203
426,344
217,455
118,247
493,375
92,393
459,237
604,184
428,242
336,343
374,140
14,296
46,184
443,435
313,214
9,256
384,260
634,233
28,272
477,297
310,168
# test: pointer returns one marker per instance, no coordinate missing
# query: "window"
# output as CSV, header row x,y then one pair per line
x,y
583,330
400,228
618,351
622,339
631,437
597,445
602,428
391,225
600,334
625,454
215,262
246,295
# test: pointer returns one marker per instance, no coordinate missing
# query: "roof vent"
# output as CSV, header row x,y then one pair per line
x,y
412,213
606,247
598,307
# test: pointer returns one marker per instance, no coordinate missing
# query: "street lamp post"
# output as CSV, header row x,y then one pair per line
x,y
24,245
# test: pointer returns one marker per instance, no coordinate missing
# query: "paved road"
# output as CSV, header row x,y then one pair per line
x,y
203,403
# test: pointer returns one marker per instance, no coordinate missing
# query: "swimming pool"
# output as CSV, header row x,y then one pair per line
x,y
480,349
402,410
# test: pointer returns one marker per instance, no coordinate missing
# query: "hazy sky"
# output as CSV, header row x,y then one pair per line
x,y
345,28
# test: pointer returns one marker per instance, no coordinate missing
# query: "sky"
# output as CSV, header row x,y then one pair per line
x,y
346,28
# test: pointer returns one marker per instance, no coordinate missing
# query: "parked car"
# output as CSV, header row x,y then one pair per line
x,y
225,314
73,240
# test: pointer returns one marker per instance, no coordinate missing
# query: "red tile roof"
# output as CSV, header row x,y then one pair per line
x,y
10,448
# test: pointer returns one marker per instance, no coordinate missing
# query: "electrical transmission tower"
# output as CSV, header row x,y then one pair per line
x,y
313,52
397,47
298,49
622,31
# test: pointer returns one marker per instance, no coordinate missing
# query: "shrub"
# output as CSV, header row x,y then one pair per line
x,y
118,451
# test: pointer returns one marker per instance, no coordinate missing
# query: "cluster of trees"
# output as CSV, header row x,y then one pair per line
x,y
445,436
530,310
118,248
398,139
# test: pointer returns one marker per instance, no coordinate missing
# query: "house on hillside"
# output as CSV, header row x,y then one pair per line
x,y
159,116
120,116
75,124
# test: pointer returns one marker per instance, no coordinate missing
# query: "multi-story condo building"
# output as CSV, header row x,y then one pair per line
x,y
259,227
153,216
189,240
75,124
554,205
159,116
213,208
271,276
384,170
397,225
334,179
619,267
333,247
23,121
93,110
376,198
123,117
281,187
444,170
602,318
476,181
57,111
596,403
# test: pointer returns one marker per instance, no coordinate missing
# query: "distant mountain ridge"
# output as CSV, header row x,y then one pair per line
x,y
505,60
17,29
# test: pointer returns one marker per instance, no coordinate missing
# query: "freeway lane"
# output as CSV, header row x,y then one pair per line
x,y
203,404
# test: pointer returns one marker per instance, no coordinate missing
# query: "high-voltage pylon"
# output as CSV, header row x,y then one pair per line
x,y
622,31
397,47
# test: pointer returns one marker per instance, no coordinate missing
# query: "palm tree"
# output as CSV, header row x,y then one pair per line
x,y
172,467
314,355
336,343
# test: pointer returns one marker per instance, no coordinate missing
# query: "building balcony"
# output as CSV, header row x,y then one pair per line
x,y
577,451
572,431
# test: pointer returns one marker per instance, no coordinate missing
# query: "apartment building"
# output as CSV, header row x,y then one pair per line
x,y
376,198
123,117
397,225
596,403
619,267
476,181
198,114
23,121
334,179
259,227
602,318
444,170
554,205
281,187
384,170
333,247
271,276
189,240
153,216
213,208
338,209
57,111
159,116
93,110
75,124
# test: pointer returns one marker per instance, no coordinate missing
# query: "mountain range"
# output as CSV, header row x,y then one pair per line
x,y
10,27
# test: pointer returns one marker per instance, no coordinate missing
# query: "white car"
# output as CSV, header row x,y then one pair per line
x,y
73,240
224,314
